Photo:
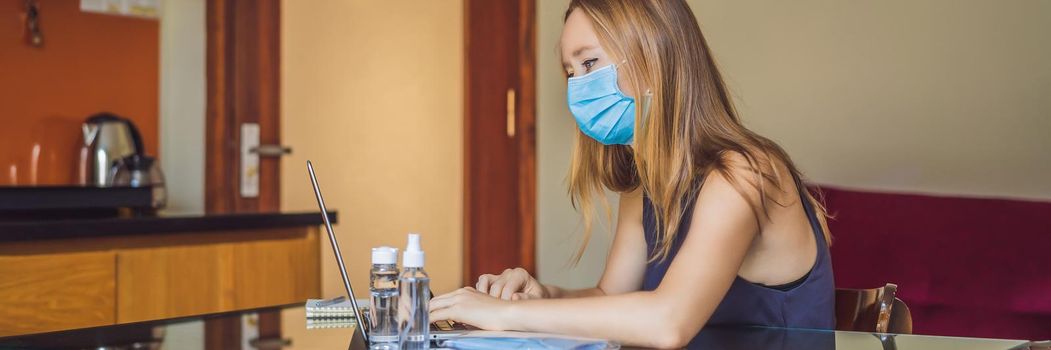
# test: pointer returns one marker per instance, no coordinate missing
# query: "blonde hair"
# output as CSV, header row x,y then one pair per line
x,y
690,128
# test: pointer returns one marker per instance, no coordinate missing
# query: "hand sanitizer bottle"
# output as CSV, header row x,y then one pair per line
x,y
415,298
383,290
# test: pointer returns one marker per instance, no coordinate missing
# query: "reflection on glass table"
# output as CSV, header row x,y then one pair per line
x,y
297,333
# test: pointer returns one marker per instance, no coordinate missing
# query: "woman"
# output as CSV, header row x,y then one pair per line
x,y
714,225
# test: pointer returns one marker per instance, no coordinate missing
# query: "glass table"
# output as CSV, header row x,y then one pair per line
x,y
243,329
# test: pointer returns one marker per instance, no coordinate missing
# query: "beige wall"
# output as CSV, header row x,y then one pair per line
x,y
936,96
558,225
372,93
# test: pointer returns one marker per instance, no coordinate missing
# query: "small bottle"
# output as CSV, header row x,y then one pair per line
x,y
416,297
383,289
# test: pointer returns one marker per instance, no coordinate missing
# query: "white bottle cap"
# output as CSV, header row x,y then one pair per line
x,y
413,256
384,255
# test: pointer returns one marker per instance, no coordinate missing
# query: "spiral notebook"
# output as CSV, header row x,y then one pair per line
x,y
324,323
339,307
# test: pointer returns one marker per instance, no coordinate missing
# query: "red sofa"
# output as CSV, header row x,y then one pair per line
x,y
965,266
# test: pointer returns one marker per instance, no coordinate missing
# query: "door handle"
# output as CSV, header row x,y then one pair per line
x,y
251,151
511,113
271,150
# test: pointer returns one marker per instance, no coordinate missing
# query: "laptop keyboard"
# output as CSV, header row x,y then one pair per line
x,y
446,325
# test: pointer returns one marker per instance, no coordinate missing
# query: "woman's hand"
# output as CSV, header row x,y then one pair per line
x,y
513,284
468,305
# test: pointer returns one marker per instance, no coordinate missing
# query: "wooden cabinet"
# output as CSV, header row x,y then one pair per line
x,y
264,269
161,282
42,292
63,284
173,281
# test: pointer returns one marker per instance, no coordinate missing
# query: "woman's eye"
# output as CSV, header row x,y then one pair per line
x,y
589,63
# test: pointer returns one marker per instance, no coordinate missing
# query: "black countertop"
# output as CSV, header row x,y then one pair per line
x,y
40,229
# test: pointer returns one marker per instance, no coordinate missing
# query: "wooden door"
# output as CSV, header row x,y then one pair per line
x,y
243,88
499,160
243,71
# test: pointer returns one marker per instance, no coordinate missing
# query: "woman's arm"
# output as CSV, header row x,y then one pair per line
x,y
625,264
722,229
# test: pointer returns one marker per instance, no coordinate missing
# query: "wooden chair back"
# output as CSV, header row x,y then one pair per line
x,y
872,310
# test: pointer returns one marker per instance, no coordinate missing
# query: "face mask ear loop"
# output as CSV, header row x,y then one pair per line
x,y
645,115
645,106
646,109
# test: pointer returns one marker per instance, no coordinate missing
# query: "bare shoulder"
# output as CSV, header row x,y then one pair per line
x,y
726,192
759,179
723,208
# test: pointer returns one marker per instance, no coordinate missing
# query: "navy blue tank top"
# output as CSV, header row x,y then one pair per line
x,y
808,303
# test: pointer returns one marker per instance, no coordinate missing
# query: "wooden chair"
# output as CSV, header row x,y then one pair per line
x,y
872,310
1040,345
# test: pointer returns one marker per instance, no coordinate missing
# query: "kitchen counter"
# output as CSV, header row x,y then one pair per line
x,y
42,229
129,269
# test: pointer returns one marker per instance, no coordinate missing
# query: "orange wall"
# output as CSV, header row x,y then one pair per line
x,y
89,63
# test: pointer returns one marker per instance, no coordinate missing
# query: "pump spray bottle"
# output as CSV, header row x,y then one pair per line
x,y
414,298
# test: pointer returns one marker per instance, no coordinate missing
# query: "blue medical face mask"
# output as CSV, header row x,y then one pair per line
x,y
602,111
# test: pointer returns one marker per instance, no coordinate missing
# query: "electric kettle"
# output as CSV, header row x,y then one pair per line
x,y
107,139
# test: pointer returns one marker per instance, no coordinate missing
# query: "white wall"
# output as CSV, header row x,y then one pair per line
x,y
936,96
181,126
182,103
372,93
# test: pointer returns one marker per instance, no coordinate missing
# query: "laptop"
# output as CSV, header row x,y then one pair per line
x,y
439,329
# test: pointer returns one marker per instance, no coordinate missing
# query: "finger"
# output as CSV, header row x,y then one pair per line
x,y
515,282
497,287
442,303
510,288
521,296
534,289
443,296
448,299
483,283
442,314
452,293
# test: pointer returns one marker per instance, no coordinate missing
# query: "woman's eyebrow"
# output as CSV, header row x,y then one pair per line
x,y
576,53
582,49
